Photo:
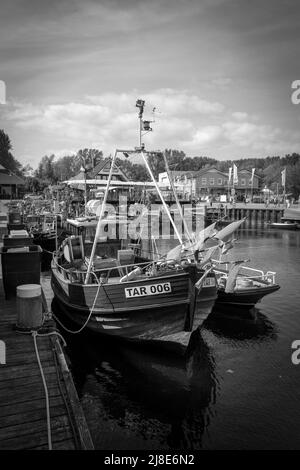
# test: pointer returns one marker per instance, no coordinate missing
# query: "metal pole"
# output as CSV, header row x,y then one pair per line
x,y
176,197
162,199
140,143
85,193
56,241
100,217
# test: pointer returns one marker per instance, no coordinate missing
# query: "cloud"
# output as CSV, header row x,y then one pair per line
x,y
206,134
239,116
262,138
110,120
183,120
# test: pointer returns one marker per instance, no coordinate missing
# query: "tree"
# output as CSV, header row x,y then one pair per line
x,y
45,170
89,158
6,158
65,167
293,179
133,171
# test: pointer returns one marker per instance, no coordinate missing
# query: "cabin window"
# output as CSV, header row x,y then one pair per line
x,y
204,181
219,181
211,180
243,182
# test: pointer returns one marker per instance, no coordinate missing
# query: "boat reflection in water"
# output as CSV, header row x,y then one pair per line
x,y
240,324
143,396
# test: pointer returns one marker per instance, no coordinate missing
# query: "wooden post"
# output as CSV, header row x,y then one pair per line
x,y
82,430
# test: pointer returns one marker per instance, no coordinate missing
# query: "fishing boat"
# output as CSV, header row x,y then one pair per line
x,y
43,228
283,225
242,286
126,295
239,285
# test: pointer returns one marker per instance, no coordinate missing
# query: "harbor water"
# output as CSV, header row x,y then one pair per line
x,y
237,389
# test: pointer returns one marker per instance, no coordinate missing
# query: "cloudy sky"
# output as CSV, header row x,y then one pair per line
x,y
218,72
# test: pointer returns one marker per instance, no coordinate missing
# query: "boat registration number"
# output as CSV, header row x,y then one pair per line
x,y
153,289
209,282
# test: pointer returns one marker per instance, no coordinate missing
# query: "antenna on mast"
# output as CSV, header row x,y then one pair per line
x,y
144,124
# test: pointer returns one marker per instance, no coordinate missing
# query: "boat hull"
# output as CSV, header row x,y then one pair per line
x,y
244,298
283,226
153,317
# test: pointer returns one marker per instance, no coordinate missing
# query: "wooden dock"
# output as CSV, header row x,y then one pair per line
x,y
23,415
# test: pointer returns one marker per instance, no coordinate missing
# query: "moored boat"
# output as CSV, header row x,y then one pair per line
x,y
146,300
242,286
283,225
122,294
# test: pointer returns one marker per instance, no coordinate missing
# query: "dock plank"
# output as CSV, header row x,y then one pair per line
x,y
23,423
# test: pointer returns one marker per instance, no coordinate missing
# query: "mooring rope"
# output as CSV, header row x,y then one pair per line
x,y
86,322
34,335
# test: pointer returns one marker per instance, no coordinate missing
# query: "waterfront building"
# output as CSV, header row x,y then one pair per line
x,y
211,182
10,184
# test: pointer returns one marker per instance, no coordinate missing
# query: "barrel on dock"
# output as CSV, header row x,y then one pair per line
x,y
20,265
29,306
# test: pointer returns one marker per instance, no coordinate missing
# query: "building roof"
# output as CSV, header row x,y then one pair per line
x,y
210,170
8,177
102,167
244,170
179,172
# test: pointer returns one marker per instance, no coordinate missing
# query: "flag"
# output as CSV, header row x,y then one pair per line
x,y
235,175
252,176
229,175
283,177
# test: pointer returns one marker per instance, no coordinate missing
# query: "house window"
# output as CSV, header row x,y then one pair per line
x,y
211,181
204,181
243,182
220,181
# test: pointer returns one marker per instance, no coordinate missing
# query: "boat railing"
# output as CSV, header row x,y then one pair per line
x,y
74,274
247,272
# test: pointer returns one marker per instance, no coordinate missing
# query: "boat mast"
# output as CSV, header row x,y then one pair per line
x,y
145,125
161,197
176,197
100,218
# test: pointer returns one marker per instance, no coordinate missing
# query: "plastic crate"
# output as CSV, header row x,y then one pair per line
x,y
20,266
